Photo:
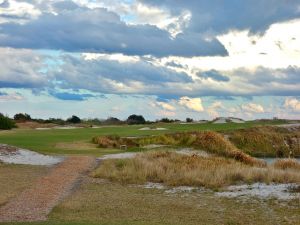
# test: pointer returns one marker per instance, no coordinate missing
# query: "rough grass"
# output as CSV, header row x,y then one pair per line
x,y
99,202
114,141
207,140
285,164
180,170
267,141
15,178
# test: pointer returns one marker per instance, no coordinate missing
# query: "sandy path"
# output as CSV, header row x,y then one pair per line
x,y
37,202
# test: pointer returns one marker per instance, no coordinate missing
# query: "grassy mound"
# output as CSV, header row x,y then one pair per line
x,y
208,141
267,141
178,170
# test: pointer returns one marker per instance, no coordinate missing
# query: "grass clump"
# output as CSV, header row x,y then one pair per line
x,y
285,164
181,170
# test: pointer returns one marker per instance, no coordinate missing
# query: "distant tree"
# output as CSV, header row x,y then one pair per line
x,y
56,121
112,120
22,117
166,120
74,119
189,120
136,119
6,123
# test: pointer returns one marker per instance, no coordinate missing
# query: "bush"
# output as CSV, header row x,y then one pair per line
x,y
6,123
74,119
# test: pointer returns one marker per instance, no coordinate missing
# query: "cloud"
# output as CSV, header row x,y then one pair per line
x,y
194,104
293,104
253,108
22,69
214,75
71,96
17,12
220,17
98,30
165,106
5,97
215,109
112,76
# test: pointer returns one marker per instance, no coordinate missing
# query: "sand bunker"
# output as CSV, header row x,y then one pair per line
x,y
149,128
14,155
154,146
262,191
127,155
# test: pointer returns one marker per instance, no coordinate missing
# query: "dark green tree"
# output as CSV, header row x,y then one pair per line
x,y
22,117
6,123
74,119
136,119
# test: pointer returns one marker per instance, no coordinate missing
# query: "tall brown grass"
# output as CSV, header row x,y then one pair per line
x,y
285,164
176,170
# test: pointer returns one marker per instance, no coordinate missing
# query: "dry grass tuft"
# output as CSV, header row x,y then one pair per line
x,y
176,170
287,164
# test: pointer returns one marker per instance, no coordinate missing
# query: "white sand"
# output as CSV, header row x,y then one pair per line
x,y
261,190
22,156
148,128
126,155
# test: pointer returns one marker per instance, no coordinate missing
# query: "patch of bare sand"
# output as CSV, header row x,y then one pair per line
x,y
76,145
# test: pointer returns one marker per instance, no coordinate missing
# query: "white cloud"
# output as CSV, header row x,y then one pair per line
x,y
253,108
194,104
19,12
213,109
292,103
11,97
166,106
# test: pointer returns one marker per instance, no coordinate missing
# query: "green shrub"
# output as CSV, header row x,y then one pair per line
x,y
6,123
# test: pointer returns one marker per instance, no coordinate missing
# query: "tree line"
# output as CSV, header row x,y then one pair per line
x,y
9,123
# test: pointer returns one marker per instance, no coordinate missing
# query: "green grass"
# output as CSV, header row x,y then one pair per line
x,y
45,141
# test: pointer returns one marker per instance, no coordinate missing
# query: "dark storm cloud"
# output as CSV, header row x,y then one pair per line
x,y
109,76
220,16
80,29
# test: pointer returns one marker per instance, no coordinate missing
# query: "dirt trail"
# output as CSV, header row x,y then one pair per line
x,y
37,202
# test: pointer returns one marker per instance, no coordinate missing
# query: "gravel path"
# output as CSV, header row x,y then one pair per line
x,y
37,202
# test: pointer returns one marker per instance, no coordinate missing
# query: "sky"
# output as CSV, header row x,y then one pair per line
x,y
158,58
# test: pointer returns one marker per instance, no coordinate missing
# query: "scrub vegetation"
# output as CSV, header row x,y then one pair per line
x,y
209,141
175,169
267,141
